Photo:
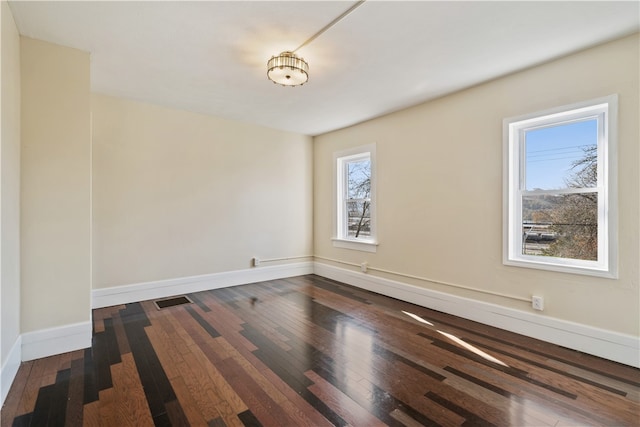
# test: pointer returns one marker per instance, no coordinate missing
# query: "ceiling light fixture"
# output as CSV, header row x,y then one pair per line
x,y
288,69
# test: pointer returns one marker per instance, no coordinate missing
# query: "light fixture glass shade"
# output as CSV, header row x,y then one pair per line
x,y
288,69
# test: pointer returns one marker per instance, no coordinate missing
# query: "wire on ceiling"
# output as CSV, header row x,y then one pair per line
x,y
331,24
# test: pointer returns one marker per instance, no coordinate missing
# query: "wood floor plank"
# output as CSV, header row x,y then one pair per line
x,y
205,396
501,399
630,392
165,351
130,401
298,408
74,406
98,317
342,404
256,370
183,366
223,314
11,406
191,409
405,419
121,335
30,391
106,412
534,397
91,414
219,382
262,405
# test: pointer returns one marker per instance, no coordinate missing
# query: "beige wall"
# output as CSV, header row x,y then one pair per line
x,y
178,194
440,188
10,184
55,216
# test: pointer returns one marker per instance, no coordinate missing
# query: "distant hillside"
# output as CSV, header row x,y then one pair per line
x,y
535,209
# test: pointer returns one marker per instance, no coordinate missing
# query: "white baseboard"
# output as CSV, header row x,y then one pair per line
x,y
602,343
10,369
117,295
62,339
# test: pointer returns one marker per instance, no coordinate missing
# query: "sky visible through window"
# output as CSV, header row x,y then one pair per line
x,y
551,152
358,173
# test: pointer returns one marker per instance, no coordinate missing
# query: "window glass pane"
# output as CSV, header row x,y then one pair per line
x,y
358,218
563,156
563,226
359,179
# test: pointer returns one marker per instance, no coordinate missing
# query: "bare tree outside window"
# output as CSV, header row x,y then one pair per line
x,y
575,217
359,198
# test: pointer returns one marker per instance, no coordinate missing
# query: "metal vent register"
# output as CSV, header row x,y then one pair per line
x,y
170,302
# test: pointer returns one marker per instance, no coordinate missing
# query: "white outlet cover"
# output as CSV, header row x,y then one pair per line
x,y
537,303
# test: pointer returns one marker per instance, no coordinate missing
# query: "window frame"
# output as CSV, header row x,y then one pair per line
x,y
340,237
514,129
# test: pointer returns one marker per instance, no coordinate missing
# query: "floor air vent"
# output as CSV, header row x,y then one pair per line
x,y
170,302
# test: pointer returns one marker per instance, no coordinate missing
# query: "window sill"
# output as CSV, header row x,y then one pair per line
x,y
562,268
356,245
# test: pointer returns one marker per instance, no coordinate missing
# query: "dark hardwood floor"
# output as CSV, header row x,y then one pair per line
x,y
308,351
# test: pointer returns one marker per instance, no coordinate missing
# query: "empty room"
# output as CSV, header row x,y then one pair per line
x,y
316,213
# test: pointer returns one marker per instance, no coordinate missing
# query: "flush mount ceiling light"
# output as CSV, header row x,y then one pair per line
x,y
288,69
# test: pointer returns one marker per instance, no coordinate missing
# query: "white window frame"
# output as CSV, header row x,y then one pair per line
x,y
341,237
514,129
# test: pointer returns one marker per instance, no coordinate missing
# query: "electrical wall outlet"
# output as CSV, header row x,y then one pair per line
x,y
256,261
537,303
364,267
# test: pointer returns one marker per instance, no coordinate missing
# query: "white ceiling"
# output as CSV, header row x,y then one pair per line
x,y
210,56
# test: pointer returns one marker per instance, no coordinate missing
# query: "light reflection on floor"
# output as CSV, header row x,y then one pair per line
x,y
358,355
459,341
418,318
473,349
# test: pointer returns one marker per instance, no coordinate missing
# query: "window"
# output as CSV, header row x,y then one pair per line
x,y
355,199
559,189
